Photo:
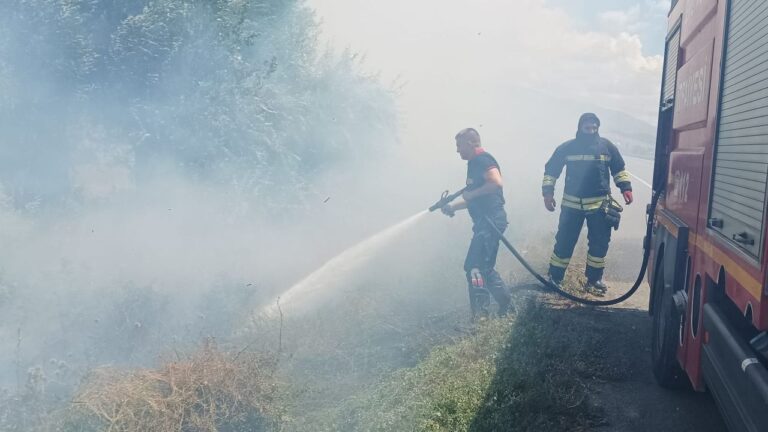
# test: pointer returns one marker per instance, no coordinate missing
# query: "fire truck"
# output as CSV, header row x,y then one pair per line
x,y
709,253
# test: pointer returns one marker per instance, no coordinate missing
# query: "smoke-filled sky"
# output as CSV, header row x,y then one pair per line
x,y
156,154
607,52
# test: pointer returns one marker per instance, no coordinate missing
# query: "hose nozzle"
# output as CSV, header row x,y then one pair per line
x,y
446,198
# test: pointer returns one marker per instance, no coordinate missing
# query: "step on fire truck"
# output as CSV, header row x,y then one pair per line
x,y
709,263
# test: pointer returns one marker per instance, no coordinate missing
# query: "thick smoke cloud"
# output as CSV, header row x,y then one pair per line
x,y
168,167
158,167
232,91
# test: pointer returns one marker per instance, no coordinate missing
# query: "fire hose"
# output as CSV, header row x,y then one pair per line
x,y
446,198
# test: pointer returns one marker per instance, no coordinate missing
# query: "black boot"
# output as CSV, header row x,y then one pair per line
x,y
498,290
480,302
503,309
597,287
556,282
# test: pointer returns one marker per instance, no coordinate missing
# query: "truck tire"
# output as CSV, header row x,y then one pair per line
x,y
665,336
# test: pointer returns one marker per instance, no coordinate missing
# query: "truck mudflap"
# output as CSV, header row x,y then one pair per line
x,y
734,374
673,234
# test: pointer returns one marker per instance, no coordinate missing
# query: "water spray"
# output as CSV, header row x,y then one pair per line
x,y
317,286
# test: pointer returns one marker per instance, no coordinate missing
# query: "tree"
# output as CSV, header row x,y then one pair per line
x,y
233,91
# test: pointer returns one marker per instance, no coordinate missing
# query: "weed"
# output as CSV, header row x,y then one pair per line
x,y
209,391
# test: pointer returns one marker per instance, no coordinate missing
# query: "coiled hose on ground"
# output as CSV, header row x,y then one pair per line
x,y
569,296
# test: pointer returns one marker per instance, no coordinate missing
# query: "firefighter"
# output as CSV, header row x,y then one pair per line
x,y
590,160
484,199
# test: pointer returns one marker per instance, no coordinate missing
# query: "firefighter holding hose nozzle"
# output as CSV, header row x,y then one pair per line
x,y
589,160
484,199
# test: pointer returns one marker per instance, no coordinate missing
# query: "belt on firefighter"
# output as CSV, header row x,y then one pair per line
x,y
586,204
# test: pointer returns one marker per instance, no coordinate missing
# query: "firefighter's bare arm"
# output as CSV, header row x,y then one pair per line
x,y
492,184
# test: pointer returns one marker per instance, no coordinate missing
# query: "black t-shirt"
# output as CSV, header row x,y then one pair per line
x,y
486,205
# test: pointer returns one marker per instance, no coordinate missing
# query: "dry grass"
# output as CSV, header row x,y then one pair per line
x,y
529,372
574,280
210,391
537,253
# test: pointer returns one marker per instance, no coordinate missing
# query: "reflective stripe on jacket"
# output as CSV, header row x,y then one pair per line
x,y
586,204
589,165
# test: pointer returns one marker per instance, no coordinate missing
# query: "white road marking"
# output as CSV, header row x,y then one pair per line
x,y
641,180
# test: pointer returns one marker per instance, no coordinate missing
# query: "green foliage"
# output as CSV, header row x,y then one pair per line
x,y
233,91
440,394
233,94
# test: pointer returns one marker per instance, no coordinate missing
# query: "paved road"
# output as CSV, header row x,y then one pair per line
x,y
638,404
626,251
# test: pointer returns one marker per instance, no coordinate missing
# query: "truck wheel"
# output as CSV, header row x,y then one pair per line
x,y
664,340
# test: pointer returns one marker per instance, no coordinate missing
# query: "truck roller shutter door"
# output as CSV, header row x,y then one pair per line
x,y
671,54
737,207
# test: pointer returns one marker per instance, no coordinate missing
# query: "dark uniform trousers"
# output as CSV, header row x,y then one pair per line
x,y
568,230
482,255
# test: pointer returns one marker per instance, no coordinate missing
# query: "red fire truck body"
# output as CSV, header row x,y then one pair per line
x,y
709,254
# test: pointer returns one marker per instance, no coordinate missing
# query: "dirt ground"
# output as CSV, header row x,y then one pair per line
x,y
636,402
633,401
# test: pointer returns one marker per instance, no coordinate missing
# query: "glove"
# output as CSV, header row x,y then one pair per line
x,y
627,197
448,210
549,202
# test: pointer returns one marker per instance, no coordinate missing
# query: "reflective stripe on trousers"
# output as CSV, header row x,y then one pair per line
x,y
569,228
481,255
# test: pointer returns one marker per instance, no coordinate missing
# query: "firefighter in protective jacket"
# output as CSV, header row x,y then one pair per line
x,y
590,161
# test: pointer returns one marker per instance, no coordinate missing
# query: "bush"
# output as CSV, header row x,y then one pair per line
x,y
229,91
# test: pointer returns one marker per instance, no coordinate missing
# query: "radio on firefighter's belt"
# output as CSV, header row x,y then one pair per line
x,y
612,211
477,278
